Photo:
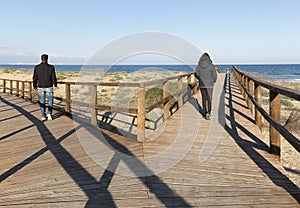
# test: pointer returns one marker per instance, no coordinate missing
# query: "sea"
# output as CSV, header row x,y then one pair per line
x,y
288,72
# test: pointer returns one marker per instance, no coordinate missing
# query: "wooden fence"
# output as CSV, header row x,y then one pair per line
x,y
251,89
24,89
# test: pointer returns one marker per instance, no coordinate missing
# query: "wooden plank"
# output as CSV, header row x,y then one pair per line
x,y
60,173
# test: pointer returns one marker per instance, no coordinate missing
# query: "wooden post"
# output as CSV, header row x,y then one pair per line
x,y
11,87
257,96
275,114
17,88
4,85
141,116
245,94
166,104
238,80
241,81
251,91
30,90
93,105
242,89
195,89
189,79
180,96
23,89
189,87
67,97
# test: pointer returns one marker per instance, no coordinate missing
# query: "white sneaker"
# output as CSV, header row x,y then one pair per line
x,y
43,118
49,117
207,116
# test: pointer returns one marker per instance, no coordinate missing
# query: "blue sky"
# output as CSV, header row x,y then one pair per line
x,y
232,31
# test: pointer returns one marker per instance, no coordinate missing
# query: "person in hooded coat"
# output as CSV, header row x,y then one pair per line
x,y
207,76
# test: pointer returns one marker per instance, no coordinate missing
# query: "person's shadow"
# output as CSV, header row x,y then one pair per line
x,y
197,106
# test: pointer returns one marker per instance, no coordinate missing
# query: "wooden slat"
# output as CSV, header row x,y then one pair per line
x,y
46,164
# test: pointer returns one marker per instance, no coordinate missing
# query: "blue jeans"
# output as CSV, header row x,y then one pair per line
x,y
43,92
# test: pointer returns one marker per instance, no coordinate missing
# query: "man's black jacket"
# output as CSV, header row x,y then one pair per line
x,y
44,76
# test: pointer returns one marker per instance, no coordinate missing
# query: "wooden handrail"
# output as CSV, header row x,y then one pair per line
x,y
26,91
126,84
274,107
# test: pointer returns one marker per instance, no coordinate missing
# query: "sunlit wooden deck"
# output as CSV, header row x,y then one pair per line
x,y
189,162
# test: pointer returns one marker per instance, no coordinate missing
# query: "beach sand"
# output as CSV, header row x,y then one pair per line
x,y
290,158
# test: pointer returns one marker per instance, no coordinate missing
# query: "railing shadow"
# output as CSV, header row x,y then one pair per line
x,y
125,126
111,116
133,163
238,103
292,170
96,190
17,131
13,108
250,148
107,118
76,171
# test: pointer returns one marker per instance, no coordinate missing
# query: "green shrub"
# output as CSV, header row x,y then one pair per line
x,y
286,103
153,95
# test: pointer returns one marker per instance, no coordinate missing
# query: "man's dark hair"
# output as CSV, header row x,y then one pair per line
x,y
44,57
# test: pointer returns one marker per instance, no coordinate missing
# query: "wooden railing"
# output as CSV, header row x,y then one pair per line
x,y
24,89
251,89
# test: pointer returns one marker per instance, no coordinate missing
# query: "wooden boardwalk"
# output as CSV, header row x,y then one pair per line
x,y
189,162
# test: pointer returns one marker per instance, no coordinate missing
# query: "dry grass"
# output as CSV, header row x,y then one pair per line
x,y
290,158
280,82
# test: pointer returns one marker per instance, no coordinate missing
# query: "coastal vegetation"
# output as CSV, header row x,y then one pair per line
x,y
290,119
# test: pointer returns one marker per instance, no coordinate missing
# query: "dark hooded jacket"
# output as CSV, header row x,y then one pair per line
x,y
205,72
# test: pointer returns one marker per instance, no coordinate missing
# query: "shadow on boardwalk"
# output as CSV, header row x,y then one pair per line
x,y
96,190
250,147
190,184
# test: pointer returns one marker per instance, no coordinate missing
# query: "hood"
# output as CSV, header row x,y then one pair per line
x,y
205,60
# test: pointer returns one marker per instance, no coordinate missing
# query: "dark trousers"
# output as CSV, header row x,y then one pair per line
x,y
206,99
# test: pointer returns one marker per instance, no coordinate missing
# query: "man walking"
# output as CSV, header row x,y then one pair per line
x,y
44,79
